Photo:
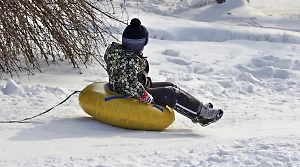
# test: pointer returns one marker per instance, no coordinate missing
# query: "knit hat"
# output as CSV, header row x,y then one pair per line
x,y
135,36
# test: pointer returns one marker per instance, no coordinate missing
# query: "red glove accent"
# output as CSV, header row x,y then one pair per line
x,y
146,97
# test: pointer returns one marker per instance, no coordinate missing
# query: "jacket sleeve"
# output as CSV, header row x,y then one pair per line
x,y
133,86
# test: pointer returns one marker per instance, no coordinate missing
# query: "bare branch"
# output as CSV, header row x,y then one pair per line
x,y
75,30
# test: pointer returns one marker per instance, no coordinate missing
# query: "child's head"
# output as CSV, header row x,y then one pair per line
x,y
135,36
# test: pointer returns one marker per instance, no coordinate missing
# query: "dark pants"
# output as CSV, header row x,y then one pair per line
x,y
166,93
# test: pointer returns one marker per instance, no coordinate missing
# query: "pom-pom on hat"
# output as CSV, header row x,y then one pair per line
x,y
135,36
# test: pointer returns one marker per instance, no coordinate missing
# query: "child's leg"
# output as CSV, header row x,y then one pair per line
x,y
162,84
185,104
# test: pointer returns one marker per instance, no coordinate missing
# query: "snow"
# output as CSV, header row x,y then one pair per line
x,y
243,58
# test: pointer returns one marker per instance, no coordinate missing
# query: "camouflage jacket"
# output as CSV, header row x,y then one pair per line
x,y
126,70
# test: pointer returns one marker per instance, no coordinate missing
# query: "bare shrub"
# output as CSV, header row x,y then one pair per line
x,y
70,30
285,36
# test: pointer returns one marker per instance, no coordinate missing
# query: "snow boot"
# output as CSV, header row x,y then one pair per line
x,y
205,115
208,116
209,105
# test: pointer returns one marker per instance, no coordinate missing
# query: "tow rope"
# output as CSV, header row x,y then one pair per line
x,y
26,119
77,91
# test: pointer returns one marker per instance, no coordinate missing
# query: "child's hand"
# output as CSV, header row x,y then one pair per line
x,y
146,98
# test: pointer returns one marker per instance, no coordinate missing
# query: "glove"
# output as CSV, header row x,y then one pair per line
x,y
146,98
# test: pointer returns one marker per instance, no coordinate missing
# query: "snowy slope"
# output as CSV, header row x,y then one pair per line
x,y
251,71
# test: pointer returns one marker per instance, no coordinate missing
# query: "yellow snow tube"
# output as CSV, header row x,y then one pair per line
x,y
123,112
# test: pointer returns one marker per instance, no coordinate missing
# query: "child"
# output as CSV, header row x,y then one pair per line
x,y
128,69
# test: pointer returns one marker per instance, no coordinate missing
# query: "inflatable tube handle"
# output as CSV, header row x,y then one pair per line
x,y
157,106
129,96
116,97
